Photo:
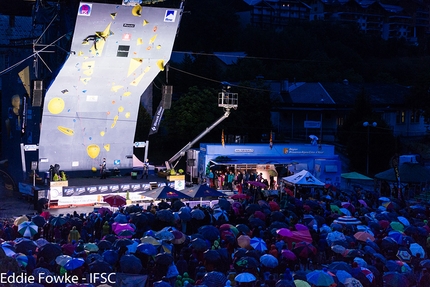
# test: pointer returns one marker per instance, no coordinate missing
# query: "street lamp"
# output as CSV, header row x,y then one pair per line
x,y
368,125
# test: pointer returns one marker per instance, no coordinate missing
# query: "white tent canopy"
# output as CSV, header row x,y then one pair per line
x,y
304,178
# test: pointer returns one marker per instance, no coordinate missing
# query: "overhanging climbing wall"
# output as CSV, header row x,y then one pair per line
x,y
90,110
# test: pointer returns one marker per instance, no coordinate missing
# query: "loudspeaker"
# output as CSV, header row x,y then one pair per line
x,y
167,92
37,94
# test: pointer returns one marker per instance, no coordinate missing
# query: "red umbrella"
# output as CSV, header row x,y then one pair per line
x,y
115,200
384,224
239,196
256,183
274,206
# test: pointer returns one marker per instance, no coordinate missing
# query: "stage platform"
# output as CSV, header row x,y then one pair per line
x,y
87,191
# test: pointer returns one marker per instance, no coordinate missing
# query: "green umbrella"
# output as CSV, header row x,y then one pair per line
x,y
397,226
335,208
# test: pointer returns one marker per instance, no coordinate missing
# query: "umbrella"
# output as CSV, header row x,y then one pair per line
x,y
301,283
345,211
362,202
320,278
21,258
23,245
243,228
164,234
403,220
74,263
197,214
92,257
247,262
214,278
150,240
415,249
199,244
288,254
121,218
397,266
404,254
8,249
342,275
369,275
244,241
165,215
130,264
41,241
425,263
209,232
269,260
352,282
285,232
122,242
38,220
256,183
164,259
91,247
57,221
305,250
245,277
258,244
335,236
27,229
364,236
115,200
340,265
360,262
100,267
395,279
62,259
166,247
104,244
147,248
397,226
20,219
179,237
110,256
347,220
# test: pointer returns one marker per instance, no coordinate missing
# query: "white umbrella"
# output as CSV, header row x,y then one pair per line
x,y
28,229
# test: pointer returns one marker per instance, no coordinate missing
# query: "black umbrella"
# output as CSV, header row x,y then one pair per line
x,y
212,256
104,244
165,215
130,264
199,244
389,243
340,265
38,220
250,209
122,242
224,204
243,228
278,225
209,232
76,221
255,222
247,262
110,256
24,245
100,266
49,251
57,221
277,216
110,237
139,219
163,259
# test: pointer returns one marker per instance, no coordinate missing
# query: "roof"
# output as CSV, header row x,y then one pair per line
x,y
230,58
409,173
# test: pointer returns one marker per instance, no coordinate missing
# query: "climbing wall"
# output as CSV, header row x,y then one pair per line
x,y
90,109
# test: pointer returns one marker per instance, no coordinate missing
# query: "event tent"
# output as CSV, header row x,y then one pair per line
x,y
303,178
409,173
202,191
165,192
355,175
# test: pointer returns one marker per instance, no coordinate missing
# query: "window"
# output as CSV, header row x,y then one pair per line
x,y
415,116
340,121
330,168
400,117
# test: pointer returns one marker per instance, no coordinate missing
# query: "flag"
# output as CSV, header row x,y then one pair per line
x,y
222,138
271,140
156,120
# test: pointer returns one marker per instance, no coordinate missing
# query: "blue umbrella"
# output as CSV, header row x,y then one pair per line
x,y
147,249
320,278
130,264
258,244
209,232
74,263
121,218
110,256
269,261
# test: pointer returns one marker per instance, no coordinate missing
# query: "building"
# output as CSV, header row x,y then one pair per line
x,y
409,20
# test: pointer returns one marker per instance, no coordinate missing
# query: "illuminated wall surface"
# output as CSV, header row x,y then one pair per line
x,y
90,110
